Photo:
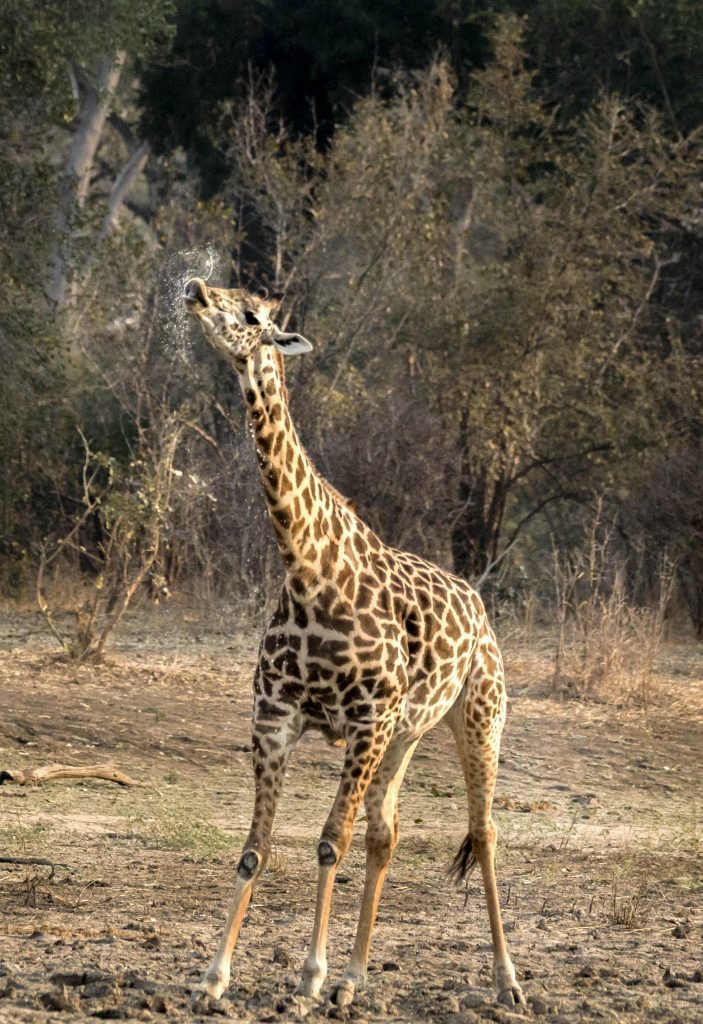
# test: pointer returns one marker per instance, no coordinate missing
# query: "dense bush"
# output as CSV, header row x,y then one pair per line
x,y
496,258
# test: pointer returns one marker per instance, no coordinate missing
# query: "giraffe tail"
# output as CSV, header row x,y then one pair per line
x,y
464,862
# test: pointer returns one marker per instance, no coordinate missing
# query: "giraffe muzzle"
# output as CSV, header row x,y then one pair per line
x,y
195,294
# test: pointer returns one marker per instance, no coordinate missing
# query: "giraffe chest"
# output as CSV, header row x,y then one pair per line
x,y
333,680
400,670
391,641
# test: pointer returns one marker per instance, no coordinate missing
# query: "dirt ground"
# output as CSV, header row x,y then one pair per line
x,y
599,810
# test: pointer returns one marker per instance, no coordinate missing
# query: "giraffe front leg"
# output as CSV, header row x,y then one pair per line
x,y
272,741
364,752
381,804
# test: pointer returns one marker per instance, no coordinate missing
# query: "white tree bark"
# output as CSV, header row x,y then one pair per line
x,y
122,184
94,106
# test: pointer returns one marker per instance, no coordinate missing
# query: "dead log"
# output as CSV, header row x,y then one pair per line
x,y
41,861
35,776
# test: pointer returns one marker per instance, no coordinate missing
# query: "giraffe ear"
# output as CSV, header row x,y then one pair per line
x,y
290,344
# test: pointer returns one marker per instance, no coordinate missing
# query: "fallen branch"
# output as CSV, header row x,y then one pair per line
x,y
35,776
31,860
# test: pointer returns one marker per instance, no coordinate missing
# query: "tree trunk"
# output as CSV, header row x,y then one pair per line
x,y
94,106
476,528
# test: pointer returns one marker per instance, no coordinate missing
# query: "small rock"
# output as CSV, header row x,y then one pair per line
x,y
671,981
134,980
537,1005
281,956
390,965
452,1004
681,931
297,1006
338,1012
95,976
162,1004
472,1000
100,990
60,1000
467,1017
697,976
586,972
71,978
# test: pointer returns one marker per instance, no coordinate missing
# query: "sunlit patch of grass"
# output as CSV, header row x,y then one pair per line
x,y
19,840
176,830
416,849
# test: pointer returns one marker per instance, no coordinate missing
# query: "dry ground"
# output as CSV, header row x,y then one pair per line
x,y
600,817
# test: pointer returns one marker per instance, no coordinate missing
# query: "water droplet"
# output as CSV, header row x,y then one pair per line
x,y
173,316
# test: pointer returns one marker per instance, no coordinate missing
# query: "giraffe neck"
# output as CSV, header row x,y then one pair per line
x,y
308,521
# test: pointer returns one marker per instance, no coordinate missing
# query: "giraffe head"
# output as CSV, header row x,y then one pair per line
x,y
236,323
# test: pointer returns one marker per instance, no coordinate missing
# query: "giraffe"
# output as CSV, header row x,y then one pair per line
x,y
369,645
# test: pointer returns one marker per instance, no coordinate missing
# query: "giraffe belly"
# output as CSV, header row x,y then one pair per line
x,y
429,698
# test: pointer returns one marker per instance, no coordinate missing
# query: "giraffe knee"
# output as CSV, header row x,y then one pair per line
x,y
381,841
483,839
249,865
327,854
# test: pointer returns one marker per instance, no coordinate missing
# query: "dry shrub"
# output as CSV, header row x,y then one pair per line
x,y
630,910
605,645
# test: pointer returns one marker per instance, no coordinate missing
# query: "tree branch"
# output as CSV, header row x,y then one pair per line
x,y
122,184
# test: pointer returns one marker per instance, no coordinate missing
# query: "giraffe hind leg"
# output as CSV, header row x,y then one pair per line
x,y
464,864
476,721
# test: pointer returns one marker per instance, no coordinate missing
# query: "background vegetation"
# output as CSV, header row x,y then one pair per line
x,y
486,215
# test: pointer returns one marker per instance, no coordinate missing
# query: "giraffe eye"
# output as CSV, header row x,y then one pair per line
x,y
251,318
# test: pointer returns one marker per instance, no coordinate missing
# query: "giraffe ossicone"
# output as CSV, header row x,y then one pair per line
x,y
369,645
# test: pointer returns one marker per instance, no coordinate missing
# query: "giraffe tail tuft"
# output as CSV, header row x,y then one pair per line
x,y
464,862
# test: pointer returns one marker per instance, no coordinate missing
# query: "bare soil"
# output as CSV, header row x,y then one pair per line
x,y
599,810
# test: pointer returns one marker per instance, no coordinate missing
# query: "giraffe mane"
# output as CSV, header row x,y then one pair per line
x,y
337,496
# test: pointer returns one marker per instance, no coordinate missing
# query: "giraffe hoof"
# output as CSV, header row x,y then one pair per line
x,y
512,996
201,1004
310,984
343,993
211,987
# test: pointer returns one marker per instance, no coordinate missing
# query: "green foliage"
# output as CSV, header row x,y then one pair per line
x,y
498,260
498,265
43,39
650,50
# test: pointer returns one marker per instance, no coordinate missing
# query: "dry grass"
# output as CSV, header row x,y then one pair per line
x,y
176,829
604,646
630,909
